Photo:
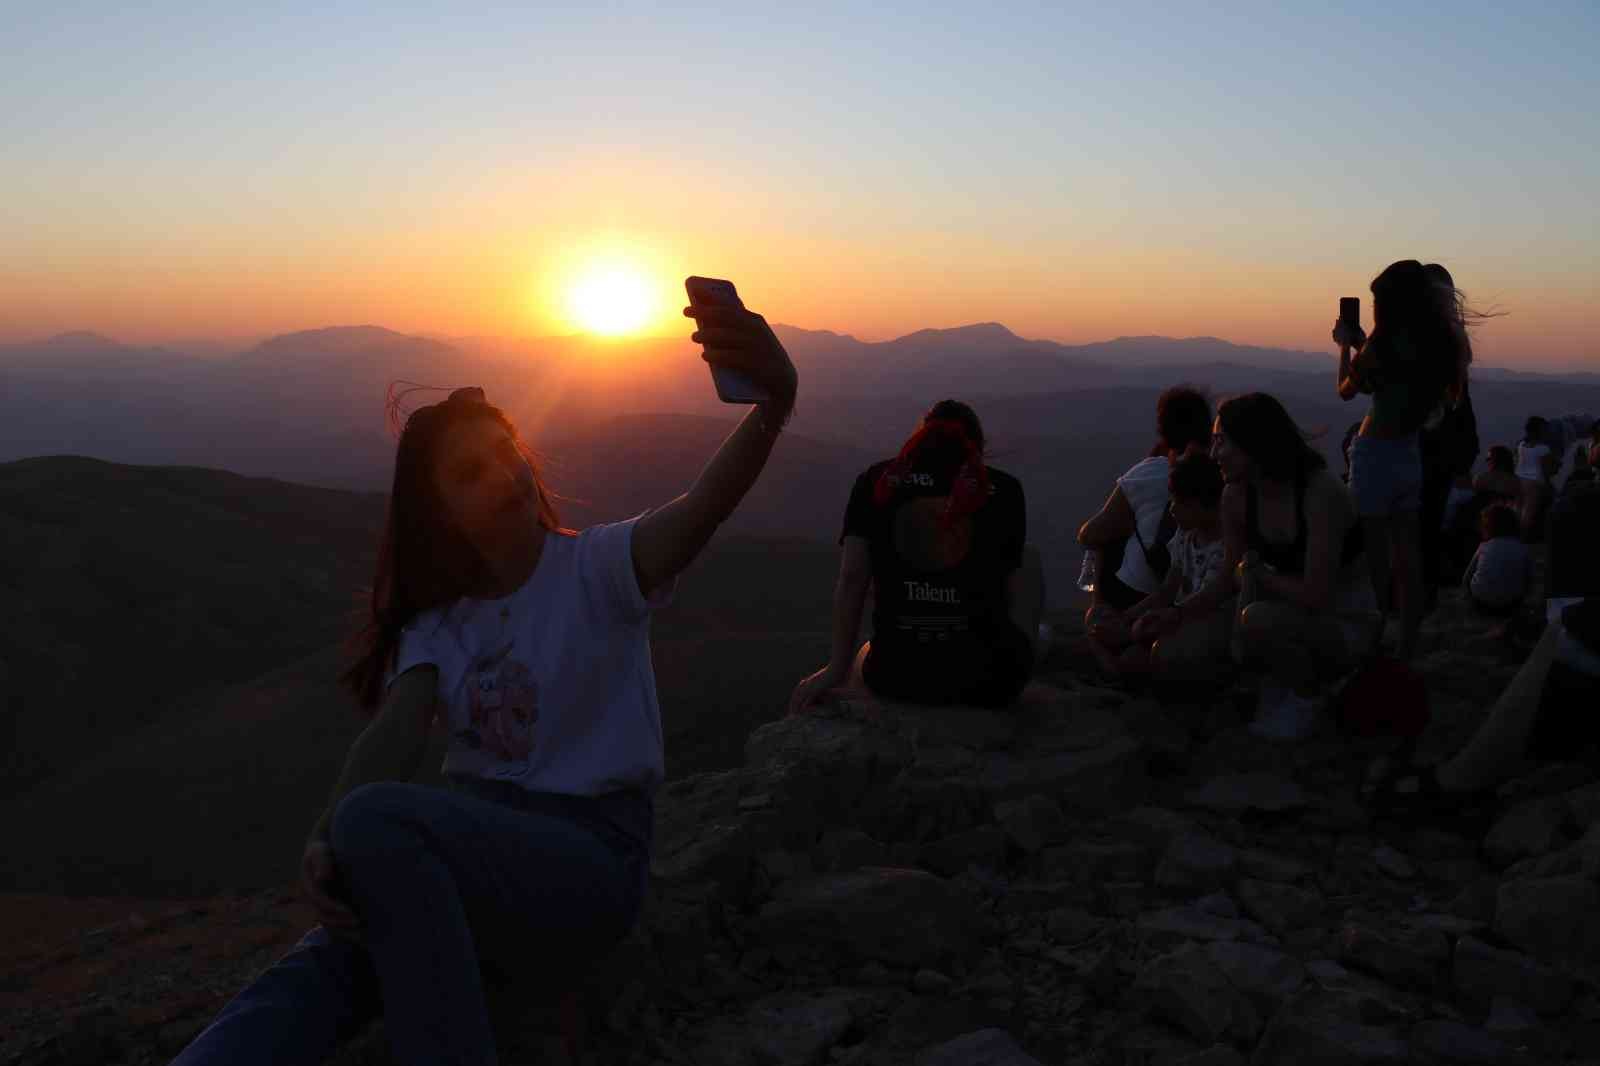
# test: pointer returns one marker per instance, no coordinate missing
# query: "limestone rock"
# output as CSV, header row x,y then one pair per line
x,y
1175,924
1265,866
1215,1055
1265,976
1097,779
1444,1041
790,1029
1316,1029
1527,830
1033,822
895,916
1359,997
1483,973
841,850
1555,919
1281,908
1095,862
1394,863
1194,862
983,846
1256,791
1188,990
986,1047
1412,958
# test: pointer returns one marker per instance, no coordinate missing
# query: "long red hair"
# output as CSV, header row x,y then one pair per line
x,y
943,447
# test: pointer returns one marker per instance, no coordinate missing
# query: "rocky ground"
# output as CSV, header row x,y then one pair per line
x,y
1094,878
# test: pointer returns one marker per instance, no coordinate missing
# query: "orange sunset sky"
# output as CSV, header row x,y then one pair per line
x,y
1073,173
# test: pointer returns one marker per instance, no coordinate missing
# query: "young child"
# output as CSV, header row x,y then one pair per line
x,y
1156,635
1501,571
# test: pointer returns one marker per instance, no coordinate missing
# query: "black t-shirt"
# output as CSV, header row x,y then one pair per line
x,y
921,609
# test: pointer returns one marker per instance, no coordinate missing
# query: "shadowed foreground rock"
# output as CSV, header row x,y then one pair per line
x,y
1091,878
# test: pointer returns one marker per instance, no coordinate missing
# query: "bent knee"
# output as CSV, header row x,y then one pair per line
x,y
364,813
1258,620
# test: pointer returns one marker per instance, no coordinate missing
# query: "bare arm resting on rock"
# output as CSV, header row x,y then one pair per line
x,y
849,598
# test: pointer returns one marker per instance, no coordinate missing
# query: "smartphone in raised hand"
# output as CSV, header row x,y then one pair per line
x,y
1350,311
731,385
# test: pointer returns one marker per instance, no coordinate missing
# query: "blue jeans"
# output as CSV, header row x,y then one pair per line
x,y
447,882
1386,475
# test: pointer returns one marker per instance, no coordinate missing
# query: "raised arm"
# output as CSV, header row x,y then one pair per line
x,y
1350,340
669,538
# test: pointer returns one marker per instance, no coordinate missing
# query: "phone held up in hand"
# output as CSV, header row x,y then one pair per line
x,y
731,385
1350,311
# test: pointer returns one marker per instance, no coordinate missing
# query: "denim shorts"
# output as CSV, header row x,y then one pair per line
x,y
1386,475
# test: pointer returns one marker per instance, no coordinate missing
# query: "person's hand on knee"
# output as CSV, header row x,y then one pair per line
x,y
320,882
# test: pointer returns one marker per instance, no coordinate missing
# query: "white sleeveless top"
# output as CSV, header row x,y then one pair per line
x,y
1145,487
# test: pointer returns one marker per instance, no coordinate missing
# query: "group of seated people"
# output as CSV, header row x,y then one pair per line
x,y
1230,545
1264,566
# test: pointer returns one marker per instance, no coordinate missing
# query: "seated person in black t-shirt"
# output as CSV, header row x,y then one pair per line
x,y
939,535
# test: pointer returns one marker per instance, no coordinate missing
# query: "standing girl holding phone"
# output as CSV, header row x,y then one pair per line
x,y
1414,360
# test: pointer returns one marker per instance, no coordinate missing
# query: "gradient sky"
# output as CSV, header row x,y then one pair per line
x,y
1074,171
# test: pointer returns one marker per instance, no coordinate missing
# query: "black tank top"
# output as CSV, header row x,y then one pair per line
x,y
1291,558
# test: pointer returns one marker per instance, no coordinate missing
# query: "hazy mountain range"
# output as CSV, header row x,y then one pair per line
x,y
169,642
309,407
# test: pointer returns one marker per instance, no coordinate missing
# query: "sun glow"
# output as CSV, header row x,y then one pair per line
x,y
612,298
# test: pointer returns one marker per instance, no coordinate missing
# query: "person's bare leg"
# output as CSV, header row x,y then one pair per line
x,y
857,678
1296,647
1135,659
1196,652
1528,510
1497,748
1406,542
1380,563
1104,654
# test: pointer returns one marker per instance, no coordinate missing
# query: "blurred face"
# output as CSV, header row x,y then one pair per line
x,y
486,484
1233,461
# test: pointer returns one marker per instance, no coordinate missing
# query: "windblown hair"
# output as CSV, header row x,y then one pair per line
x,y
1418,333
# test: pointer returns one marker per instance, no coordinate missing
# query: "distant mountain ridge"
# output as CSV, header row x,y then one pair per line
x,y
983,340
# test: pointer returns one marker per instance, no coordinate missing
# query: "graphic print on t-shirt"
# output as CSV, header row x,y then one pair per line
x,y
502,705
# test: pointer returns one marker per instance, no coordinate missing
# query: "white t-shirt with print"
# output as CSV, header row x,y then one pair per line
x,y
1145,487
1198,563
551,687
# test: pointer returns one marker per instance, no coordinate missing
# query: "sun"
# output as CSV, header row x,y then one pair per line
x,y
612,298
